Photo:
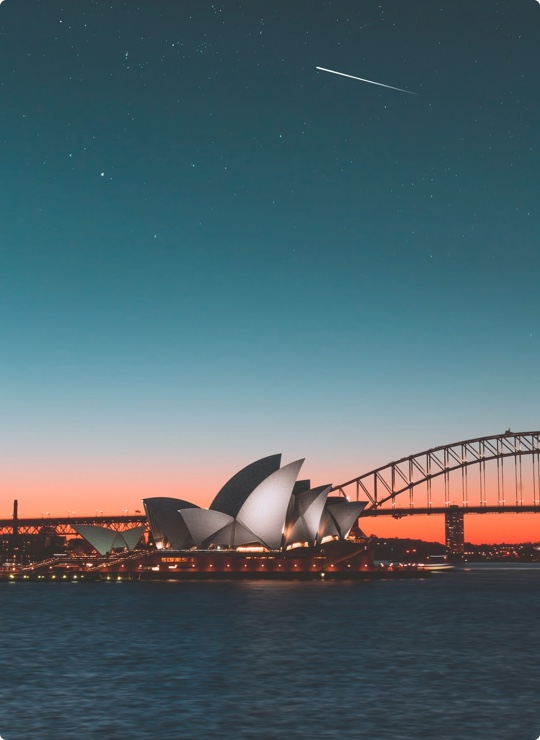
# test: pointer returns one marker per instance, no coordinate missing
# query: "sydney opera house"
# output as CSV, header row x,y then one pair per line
x,y
262,505
262,520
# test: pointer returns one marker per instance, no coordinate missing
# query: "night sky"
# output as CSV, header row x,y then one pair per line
x,y
211,252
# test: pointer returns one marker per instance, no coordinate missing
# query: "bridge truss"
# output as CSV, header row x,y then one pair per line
x,y
507,487
64,526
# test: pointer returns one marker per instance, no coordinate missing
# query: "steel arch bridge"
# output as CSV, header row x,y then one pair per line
x,y
502,491
64,526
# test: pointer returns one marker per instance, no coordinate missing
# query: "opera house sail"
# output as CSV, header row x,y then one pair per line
x,y
105,540
167,526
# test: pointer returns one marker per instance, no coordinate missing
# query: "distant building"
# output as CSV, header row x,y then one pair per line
x,y
21,549
454,530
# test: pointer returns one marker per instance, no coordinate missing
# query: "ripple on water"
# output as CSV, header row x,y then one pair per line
x,y
445,658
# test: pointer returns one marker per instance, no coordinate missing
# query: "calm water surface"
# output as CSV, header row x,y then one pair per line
x,y
455,656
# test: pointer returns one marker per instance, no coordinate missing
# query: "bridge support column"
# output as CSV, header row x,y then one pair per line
x,y
455,532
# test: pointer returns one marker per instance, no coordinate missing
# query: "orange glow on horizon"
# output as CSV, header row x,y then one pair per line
x,y
81,491
479,528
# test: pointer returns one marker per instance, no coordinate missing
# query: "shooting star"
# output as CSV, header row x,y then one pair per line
x,y
371,82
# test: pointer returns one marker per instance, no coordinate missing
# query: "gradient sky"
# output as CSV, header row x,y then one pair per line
x,y
211,252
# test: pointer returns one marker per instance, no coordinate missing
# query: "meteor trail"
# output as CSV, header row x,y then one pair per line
x,y
371,82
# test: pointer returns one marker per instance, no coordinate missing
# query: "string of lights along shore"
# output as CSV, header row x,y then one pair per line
x,y
233,228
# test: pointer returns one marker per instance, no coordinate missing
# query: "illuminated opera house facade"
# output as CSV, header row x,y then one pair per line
x,y
263,505
262,523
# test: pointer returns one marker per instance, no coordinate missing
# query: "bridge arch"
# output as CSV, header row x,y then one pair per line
x,y
382,485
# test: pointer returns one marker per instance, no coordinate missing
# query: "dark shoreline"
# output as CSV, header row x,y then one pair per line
x,y
221,577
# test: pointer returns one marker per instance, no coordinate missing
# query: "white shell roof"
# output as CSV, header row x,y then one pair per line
x,y
265,510
306,515
339,517
234,493
104,540
204,523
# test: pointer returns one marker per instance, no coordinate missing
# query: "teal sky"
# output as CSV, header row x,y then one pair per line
x,y
211,252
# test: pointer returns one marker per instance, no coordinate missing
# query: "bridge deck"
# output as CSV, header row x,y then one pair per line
x,y
412,510
65,525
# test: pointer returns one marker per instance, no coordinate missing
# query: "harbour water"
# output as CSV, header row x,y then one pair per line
x,y
449,657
